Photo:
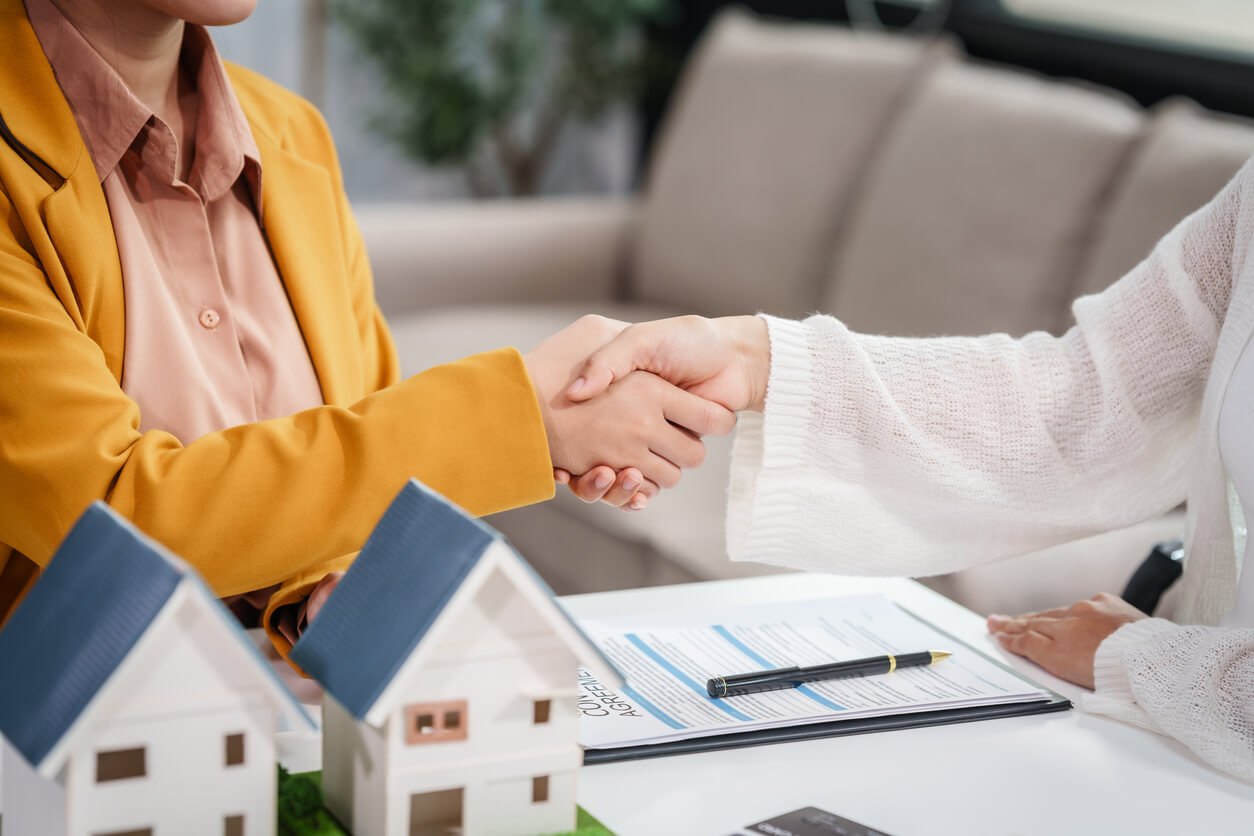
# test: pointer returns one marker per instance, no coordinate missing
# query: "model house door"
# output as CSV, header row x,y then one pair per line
x,y
435,813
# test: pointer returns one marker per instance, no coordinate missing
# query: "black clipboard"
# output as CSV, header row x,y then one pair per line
x,y
837,728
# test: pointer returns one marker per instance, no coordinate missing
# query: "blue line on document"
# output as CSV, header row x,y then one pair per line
x,y
634,695
744,648
819,698
766,665
684,678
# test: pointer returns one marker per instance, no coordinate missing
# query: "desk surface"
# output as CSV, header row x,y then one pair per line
x,y
1046,775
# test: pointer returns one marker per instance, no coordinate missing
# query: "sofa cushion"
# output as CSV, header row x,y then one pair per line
x,y
759,159
1185,157
978,207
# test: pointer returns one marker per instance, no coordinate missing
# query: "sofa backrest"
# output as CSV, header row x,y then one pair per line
x,y
1184,158
759,159
906,190
979,205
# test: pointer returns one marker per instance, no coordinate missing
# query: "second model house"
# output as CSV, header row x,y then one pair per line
x,y
451,681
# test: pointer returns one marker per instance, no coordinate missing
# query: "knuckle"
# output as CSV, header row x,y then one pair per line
x,y
595,362
592,320
711,417
615,498
696,454
668,479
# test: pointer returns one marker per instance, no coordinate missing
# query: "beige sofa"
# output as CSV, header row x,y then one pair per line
x,y
888,181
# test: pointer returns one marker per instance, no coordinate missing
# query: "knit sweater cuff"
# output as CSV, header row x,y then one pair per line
x,y
768,458
1112,692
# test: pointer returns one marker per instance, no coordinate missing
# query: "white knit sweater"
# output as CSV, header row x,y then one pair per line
x,y
879,455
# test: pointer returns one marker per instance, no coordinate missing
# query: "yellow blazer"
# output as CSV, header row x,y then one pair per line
x,y
281,501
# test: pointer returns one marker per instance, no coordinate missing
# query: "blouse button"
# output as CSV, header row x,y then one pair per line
x,y
209,318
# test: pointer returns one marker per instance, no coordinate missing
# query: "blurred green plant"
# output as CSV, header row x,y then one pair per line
x,y
489,84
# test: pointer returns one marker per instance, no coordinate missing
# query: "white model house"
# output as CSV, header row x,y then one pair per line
x,y
451,682
132,703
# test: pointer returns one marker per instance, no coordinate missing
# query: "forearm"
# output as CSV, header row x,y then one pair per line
x,y
922,456
257,504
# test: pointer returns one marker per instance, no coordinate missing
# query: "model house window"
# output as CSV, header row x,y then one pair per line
x,y
118,764
539,789
435,722
234,749
540,711
233,826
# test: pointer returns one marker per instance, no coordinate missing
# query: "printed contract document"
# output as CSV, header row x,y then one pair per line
x,y
667,658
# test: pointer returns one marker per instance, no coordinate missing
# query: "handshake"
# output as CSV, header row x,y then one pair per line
x,y
625,406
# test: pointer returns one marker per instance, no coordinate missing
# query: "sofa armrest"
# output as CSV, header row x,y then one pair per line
x,y
434,255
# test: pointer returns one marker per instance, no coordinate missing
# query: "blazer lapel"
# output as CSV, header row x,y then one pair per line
x,y
80,256
81,233
299,218
30,98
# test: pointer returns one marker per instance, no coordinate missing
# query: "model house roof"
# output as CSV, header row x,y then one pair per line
x,y
96,599
410,568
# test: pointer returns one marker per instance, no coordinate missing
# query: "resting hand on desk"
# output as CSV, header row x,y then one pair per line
x,y
1064,640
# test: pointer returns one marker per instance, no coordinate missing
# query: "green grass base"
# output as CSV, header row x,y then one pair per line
x,y
301,812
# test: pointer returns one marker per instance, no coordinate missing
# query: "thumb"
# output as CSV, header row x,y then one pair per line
x,y
612,361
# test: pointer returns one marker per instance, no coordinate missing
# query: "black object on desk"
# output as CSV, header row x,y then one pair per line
x,y
1157,572
794,677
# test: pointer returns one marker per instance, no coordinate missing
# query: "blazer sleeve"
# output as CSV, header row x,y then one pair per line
x,y
259,503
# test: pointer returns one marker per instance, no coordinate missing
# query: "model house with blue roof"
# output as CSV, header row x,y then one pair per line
x,y
132,702
450,677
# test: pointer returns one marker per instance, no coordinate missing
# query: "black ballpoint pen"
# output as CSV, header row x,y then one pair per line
x,y
781,678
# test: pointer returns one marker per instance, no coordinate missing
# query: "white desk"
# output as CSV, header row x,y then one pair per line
x,y
1059,774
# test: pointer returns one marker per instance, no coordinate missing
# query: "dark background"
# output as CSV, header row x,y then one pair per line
x,y
1146,70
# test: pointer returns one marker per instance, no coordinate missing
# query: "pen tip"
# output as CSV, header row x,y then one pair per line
x,y
937,655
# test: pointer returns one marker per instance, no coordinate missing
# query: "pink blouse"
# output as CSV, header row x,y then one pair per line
x,y
211,339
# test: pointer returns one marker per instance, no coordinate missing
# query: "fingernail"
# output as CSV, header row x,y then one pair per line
x,y
630,484
576,386
602,481
638,503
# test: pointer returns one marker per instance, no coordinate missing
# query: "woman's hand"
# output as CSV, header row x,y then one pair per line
x,y
1064,640
628,489
639,420
726,360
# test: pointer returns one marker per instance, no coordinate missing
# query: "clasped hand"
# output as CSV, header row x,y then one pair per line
x,y
626,435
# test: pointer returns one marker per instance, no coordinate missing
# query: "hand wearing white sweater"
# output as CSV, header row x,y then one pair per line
x,y
878,455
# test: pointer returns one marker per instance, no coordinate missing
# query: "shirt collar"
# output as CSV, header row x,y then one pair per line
x,y
112,120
